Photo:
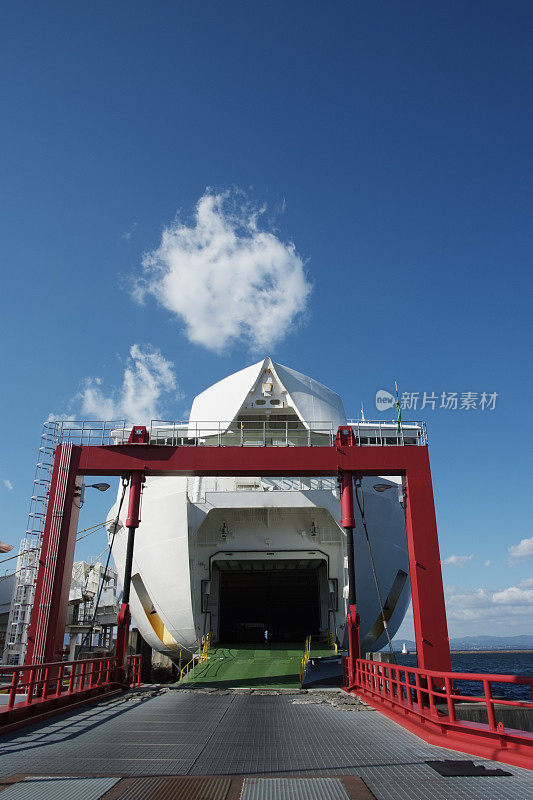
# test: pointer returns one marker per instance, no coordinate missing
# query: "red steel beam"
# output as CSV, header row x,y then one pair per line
x,y
242,461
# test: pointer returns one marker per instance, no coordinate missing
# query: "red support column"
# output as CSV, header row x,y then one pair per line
x,y
49,614
429,612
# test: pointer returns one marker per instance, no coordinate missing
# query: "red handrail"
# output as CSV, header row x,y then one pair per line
x,y
134,670
424,701
39,689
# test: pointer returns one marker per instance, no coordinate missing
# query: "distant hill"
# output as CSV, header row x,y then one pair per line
x,y
522,642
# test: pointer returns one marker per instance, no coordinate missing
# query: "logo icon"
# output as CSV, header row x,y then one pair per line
x,y
384,400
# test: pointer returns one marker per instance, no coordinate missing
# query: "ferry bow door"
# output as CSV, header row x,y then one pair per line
x,y
262,599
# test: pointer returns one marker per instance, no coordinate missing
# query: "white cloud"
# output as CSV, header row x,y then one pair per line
x,y
147,377
487,562
513,596
226,279
458,561
522,550
479,611
472,612
8,484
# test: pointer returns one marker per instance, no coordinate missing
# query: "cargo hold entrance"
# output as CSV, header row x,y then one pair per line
x,y
276,601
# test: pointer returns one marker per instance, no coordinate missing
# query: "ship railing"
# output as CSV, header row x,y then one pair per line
x,y
283,433
382,433
329,639
244,433
204,647
438,706
291,484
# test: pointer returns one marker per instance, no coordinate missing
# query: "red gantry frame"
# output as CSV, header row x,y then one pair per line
x,y
422,699
345,459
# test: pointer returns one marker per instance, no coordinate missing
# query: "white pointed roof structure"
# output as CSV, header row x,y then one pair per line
x,y
270,383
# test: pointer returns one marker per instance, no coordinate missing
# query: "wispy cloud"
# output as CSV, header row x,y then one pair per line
x,y
128,234
458,561
479,611
522,550
224,277
8,484
148,376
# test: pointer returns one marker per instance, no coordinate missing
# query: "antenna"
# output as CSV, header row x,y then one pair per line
x,y
398,409
362,412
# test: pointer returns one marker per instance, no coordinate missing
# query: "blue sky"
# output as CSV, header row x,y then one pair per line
x,y
390,143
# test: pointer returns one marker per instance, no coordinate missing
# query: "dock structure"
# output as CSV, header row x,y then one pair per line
x,y
394,721
249,744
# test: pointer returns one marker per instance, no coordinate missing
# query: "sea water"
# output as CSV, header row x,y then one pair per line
x,y
496,662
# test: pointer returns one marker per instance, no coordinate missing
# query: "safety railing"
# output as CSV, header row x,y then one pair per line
x,y
298,484
379,433
87,432
283,433
330,640
134,670
426,701
33,684
205,646
269,432
45,688
246,433
305,657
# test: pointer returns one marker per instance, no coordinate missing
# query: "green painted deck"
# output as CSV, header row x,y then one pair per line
x,y
275,666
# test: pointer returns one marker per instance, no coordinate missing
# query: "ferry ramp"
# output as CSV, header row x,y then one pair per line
x,y
275,666
197,744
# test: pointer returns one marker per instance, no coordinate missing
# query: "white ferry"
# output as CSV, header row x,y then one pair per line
x,y
260,558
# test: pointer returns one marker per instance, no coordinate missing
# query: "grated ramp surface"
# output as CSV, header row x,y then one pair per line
x,y
44,787
294,789
200,733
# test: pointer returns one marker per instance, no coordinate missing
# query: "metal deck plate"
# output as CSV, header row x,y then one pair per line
x,y
294,789
180,787
42,787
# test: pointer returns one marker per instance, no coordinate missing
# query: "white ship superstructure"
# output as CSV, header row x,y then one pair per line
x,y
255,558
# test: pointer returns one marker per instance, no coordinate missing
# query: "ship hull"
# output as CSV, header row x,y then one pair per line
x,y
254,559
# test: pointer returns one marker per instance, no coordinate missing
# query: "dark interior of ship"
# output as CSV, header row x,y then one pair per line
x,y
270,606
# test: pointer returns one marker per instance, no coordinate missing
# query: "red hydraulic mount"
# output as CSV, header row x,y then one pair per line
x,y
124,617
346,438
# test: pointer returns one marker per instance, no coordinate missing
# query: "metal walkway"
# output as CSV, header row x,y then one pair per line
x,y
266,734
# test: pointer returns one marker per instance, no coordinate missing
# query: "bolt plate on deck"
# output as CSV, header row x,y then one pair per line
x,y
176,787
43,787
